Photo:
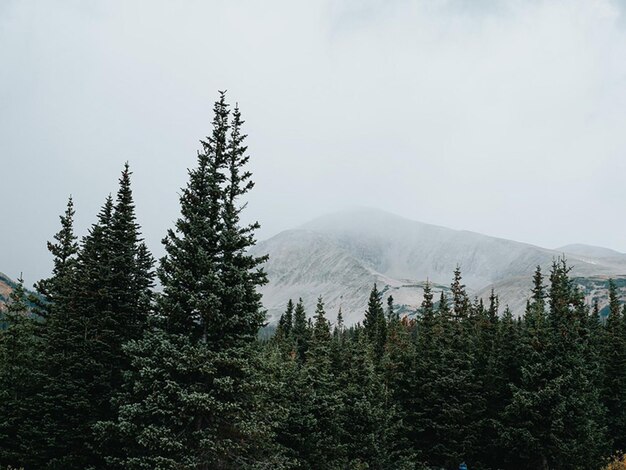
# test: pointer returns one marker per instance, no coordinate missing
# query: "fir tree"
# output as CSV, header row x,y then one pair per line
x,y
301,331
460,300
375,323
321,402
555,415
391,313
614,359
77,335
20,356
211,311
63,420
368,419
57,290
285,324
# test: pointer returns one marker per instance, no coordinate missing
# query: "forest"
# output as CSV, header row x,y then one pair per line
x,y
118,361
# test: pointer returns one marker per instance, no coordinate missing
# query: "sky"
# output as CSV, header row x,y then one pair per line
x,y
501,117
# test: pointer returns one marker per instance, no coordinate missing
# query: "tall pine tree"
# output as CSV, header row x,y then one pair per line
x,y
202,358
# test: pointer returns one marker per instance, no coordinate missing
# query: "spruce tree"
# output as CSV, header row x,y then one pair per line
x,y
77,332
555,416
203,353
285,325
391,313
487,367
375,323
614,360
452,398
321,401
369,419
20,356
460,300
62,419
56,291
301,332
402,379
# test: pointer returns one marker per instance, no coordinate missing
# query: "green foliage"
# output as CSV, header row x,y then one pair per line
x,y
20,347
204,411
613,351
375,323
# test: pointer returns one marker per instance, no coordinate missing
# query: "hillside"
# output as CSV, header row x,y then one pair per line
x,y
341,255
6,286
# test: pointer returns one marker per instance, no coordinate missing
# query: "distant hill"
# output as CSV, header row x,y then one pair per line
x,y
6,287
341,255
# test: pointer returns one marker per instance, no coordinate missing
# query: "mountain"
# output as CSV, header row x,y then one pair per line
x,y
591,251
6,287
341,255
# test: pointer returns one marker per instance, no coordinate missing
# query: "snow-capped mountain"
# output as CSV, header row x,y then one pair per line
x,y
340,256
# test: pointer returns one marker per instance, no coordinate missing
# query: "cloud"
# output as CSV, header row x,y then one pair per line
x,y
505,117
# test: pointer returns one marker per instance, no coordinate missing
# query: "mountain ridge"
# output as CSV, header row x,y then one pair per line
x,y
362,246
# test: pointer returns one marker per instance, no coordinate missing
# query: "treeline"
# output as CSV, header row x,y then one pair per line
x,y
460,382
107,373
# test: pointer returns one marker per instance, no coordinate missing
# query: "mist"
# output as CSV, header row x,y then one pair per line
x,y
506,118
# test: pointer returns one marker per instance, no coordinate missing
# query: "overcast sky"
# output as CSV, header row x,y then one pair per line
x,y
502,117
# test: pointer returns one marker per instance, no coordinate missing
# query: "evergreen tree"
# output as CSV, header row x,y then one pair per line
x,y
452,401
301,331
77,333
488,369
368,418
507,360
339,326
20,355
56,291
285,323
321,406
460,300
203,354
375,323
402,379
555,417
614,359
62,419
391,313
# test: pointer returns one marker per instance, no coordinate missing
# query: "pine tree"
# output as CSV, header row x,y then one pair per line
x,y
121,307
74,351
301,332
375,323
97,299
132,275
63,420
57,290
452,401
200,365
391,313
20,356
506,362
614,359
460,300
402,378
555,417
339,326
369,419
488,369
321,407
285,324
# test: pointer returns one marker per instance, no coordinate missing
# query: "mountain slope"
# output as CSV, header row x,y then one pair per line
x,y
340,256
6,287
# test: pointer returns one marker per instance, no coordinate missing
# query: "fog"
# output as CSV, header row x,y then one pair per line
x,y
505,117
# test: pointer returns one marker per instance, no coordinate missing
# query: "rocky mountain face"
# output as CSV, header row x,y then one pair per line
x,y
340,257
6,286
